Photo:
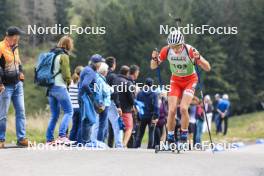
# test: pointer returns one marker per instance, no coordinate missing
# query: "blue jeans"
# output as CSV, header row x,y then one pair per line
x,y
59,97
102,129
95,128
218,123
113,118
86,131
16,94
76,125
199,131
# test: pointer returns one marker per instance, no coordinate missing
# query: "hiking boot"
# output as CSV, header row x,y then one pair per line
x,y
2,144
184,136
170,138
24,143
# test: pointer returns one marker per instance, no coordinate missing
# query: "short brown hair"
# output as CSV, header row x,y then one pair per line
x,y
66,42
133,69
124,70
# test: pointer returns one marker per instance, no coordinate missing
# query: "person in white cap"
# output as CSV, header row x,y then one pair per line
x,y
223,110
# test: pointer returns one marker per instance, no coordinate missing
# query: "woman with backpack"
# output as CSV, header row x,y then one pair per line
x,y
58,95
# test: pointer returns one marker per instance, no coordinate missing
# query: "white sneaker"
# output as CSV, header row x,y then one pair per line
x,y
64,140
51,143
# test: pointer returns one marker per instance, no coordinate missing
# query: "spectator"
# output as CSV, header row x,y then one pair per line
x,y
114,112
103,99
215,104
151,113
86,95
126,96
11,86
133,76
199,122
76,118
134,73
192,121
160,130
209,113
58,95
222,109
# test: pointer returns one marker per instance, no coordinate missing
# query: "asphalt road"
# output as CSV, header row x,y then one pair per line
x,y
246,161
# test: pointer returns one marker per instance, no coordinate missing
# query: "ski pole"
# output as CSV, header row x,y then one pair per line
x,y
177,20
205,115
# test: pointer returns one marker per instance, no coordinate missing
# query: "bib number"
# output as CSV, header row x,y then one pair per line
x,y
180,68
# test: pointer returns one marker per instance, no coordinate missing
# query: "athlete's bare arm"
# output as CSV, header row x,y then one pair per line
x,y
204,64
201,61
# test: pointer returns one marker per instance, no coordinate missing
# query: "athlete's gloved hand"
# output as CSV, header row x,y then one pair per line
x,y
196,55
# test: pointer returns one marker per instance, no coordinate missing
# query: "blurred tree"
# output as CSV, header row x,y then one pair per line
x,y
8,15
62,12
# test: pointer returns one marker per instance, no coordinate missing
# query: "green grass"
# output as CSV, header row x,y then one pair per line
x,y
36,126
35,96
247,128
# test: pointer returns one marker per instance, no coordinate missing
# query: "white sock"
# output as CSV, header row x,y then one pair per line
x,y
170,132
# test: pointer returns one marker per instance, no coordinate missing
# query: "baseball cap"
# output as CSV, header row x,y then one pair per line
x,y
96,58
13,30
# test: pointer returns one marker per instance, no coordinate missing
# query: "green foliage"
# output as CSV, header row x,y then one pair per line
x,y
8,15
133,31
35,99
247,128
62,12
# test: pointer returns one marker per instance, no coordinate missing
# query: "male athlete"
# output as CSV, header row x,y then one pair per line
x,y
182,58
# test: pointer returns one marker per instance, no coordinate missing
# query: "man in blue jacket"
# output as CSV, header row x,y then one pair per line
x,y
151,112
86,93
222,114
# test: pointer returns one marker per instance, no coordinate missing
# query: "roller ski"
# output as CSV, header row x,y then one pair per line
x,y
179,144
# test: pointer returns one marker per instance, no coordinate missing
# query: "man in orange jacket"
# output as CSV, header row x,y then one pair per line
x,y
11,85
